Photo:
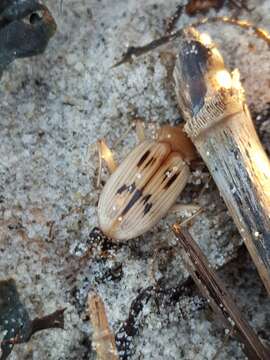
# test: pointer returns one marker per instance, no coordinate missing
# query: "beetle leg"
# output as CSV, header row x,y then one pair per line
x,y
184,209
154,262
105,154
139,124
224,343
189,220
193,210
205,186
122,137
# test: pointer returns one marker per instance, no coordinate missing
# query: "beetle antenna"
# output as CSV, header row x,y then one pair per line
x,y
189,220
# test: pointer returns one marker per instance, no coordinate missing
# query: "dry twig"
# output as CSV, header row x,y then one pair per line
x,y
219,299
218,122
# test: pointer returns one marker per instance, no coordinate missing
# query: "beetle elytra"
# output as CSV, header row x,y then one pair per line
x,y
145,186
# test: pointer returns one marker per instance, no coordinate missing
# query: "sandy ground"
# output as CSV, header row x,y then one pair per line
x,y
53,108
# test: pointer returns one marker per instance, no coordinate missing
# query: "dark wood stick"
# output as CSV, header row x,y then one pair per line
x,y
219,299
219,124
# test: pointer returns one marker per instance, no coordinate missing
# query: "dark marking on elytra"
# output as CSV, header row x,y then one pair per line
x,y
149,162
122,189
147,205
171,181
136,196
146,198
129,188
143,158
166,174
147,208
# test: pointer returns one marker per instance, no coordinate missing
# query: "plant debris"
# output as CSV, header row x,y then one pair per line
x,y
219,299
135,51
25,30
163,298
103,337
99,247
194,7
15,324
129,327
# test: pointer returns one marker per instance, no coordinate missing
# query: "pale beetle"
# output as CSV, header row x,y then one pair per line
x,y
145,186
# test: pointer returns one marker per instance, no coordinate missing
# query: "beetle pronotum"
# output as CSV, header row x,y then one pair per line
x,y
146,184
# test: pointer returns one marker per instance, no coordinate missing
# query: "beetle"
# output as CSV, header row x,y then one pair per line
x,y
145,186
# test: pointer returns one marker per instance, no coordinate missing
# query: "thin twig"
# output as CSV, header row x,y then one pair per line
x,y
224,343
134,51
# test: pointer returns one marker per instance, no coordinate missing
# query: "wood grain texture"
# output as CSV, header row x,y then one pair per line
x,y
219,299
219,124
